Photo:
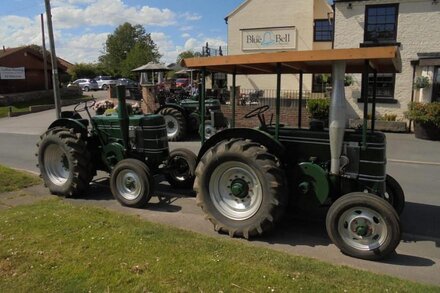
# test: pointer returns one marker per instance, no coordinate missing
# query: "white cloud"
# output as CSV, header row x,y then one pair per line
x,y
186,28
185,35
66,14
84,48
191,16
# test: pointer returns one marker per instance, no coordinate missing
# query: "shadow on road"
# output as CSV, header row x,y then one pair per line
x,y
420,222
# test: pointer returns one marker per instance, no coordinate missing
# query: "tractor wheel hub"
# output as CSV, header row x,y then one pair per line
x,y
239,188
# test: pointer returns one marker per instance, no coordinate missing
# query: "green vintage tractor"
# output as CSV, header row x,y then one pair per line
x,y
132,148
183,118
246,178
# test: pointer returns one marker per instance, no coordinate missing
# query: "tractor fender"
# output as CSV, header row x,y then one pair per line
x,y
70,123
273,146
174,106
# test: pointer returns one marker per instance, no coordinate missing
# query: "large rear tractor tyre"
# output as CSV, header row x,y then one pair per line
x,y
131,183
181,168
241,188
175,123
64,162
363,226
394,194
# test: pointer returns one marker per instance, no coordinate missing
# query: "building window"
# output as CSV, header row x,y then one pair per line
x,y
381,23
384,85
323,30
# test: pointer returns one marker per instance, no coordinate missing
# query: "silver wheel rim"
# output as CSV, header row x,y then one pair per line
x,y
129,185
209,131
172,125
225,202
56,164
362,228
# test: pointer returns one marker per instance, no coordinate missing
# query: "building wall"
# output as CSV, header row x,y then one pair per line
x,y
34,72
270,14
418,30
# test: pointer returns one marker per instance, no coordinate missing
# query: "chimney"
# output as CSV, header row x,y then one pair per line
x,y
4,49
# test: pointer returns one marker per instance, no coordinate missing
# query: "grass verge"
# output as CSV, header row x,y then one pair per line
x,y
54,246
24,106
11,180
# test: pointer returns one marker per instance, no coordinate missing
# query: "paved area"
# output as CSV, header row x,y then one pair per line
x,y
410,162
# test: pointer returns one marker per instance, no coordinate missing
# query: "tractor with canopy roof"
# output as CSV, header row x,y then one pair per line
x,y
245,178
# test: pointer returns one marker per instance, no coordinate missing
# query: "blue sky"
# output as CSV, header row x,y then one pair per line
x,y
81,26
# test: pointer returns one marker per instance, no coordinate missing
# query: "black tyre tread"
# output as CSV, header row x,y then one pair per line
x,y
144,201
398,201
371,201
80,159
273,174
191,159
180,117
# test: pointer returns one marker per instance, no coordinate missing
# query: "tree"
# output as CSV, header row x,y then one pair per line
x,y
128,46
84,70
185,54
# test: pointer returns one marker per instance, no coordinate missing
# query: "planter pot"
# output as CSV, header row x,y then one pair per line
x,y
426,131
381,125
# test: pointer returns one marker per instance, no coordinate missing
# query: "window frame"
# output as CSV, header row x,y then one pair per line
x,y
396,20
381,99
331,30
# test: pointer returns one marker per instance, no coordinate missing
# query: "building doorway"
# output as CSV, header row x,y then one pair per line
x,y
436,85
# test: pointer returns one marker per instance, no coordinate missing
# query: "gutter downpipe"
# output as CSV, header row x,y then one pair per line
x,y
414,64
338,111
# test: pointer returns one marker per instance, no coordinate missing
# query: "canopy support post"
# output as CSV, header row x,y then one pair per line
x,y
373,110
278,103
202,106
300,100
234,94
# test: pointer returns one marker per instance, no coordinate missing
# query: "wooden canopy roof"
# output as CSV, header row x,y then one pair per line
x,y
383,59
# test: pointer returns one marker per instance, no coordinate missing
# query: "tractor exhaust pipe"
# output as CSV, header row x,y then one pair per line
x,y
337,115
122,114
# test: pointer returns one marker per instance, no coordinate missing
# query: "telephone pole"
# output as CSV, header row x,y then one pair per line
x,y
46,81
55,79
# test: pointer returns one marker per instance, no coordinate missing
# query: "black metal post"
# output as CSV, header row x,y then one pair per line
x,y
278,102
365,99
373,108
234,93
300,100
203,110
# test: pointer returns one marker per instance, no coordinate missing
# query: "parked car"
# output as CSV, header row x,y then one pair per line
x,y
86,84
182,82
104,82
127,82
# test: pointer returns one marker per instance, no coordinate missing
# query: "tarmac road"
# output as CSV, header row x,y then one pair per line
x,y
414,163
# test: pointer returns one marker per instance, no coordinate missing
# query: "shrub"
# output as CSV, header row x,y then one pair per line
x,y
318,108
421,82
424,113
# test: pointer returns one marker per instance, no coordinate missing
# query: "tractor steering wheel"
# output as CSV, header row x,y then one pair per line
x,y
258,112
85,105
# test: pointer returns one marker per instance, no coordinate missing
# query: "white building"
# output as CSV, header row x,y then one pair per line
x,y
278,25
414,26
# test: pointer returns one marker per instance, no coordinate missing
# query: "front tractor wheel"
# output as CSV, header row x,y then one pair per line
x,y
64,162
241,188
363,226
131,183
181,167
175,123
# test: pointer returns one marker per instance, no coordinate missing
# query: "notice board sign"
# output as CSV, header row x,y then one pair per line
x,y
278,38
12,73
